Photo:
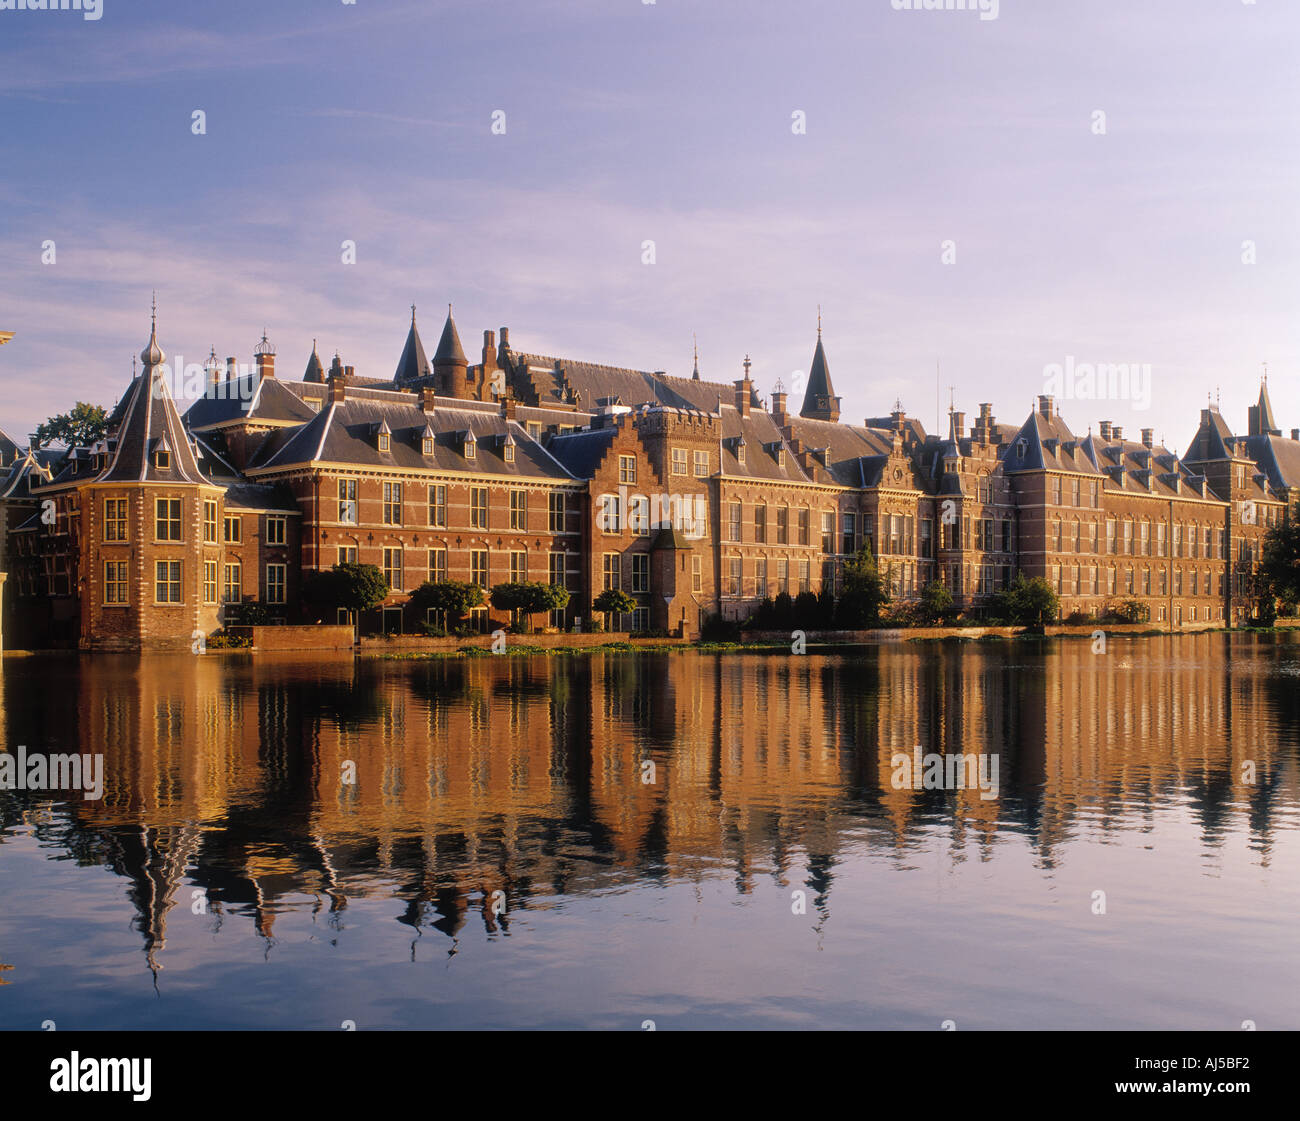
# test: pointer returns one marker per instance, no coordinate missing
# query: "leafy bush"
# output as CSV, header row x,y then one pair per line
x,y
715,628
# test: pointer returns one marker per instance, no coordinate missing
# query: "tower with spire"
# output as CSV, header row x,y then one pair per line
x,y
450,366
819,400
1259,416
413,365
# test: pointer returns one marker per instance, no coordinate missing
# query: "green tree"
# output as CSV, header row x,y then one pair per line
x,y
84,425
865,592
936,603
1279,568
1029,602
352,587
613,602
529,598
452,597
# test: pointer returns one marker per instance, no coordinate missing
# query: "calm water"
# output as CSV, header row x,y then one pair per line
x,y
230,877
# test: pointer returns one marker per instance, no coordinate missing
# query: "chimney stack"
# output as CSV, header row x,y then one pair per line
x,y
778,407
1117,434
264,356
1045,405
957,428
1295,433
428,399
338,388
1148,435
231,369
349,372
508,406
1104,428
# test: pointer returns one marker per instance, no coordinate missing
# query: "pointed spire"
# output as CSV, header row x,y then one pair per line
x,y
695,373
413,364
450,352
819,400
315,372
153,355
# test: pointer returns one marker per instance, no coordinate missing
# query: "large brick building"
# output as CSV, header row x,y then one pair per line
x,y
695,497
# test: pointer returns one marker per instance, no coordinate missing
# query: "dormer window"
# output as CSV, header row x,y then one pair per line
x,y
426,441
780,457
508,453
385,441
740,451
469,445
162,459
1022,447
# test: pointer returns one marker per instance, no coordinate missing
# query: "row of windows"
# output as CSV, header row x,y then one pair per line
x,y
394,510
1141,538
700,460
168,582
167,522
1085,581
394,566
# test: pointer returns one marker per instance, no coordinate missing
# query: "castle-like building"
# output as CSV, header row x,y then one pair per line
x,y
694,497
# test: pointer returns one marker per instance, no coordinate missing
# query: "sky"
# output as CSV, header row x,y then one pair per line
x,y
949,196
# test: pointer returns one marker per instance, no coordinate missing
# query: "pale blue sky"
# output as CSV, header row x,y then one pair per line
x,y
669,122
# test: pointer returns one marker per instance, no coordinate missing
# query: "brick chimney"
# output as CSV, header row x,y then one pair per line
x,y
338,388
1295,433
264,356
428,399
231,369
778,407
1117,433
508,406
1045,405
1104,428
957,425
1148,437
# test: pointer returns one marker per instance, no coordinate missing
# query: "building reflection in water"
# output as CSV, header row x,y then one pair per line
x,y
524,775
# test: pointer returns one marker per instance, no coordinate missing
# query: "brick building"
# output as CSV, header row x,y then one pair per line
x,y
694,497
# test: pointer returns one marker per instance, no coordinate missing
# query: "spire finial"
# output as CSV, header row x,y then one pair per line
x,y
695,370
747,363
1265,365
412,315
449,310
819,321
153,312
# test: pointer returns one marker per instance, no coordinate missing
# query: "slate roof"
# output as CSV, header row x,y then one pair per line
x,y
315,372
856,456
150,423
592,382
819,381
1278,458
413,364
449,352
345,432
268,399
17,480
9,449
1049,445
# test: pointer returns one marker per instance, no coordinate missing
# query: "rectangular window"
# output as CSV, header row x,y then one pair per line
x,y
697,575
782,576
115,581
209,521
735,512
519,509
640,572
478,510
232,590
167,579
828,531
612,571
210,581
437,566
234,529
438,506
760,576
347,554
849,532
392,504
167,521
115,519
782,525
735,569
347,502
627,469
1128,538
803,525
275,531
609,517
1110,535
393,567
518,566
805,576
701,464
555,506
641,619
1056,490
639,513
760,523
679,461
275,581
478,567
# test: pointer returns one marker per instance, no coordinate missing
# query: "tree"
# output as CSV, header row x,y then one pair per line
x,y
529,598
1028,602
1279,568
936,603
865,592
453,598
84,425
613,602
352,587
